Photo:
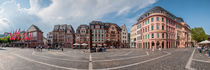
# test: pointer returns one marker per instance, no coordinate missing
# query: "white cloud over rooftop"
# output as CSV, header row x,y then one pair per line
x,y
74,12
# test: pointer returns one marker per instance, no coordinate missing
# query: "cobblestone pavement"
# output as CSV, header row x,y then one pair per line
x,y
200,61
113,59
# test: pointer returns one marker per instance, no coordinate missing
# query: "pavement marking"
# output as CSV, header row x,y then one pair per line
x,y
1,64
201,60
28,59
33,53
188,65
118,67
90,67
115,55
119,58
147,52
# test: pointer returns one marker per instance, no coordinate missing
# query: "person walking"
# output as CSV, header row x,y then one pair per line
x,y
41,47
202,49
159,47
209,52
62,48
153,49
199,49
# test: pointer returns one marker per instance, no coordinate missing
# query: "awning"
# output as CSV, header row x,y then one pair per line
x,y
93,44
99,45
84,44
76,44
205,42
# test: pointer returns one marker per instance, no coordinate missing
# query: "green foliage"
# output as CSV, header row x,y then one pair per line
x,y
5,39
198,34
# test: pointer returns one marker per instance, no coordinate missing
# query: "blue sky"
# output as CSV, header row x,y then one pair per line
x,y
15,14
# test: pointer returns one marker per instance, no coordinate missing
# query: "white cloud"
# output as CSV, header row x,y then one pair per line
x,y
74,12
77,12
4,24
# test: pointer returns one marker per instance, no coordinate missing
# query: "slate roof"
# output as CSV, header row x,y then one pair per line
x,y
33,28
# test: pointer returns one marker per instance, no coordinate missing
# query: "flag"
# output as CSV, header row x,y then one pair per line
x,y
29,37
18,36
26,36
10,36
23,36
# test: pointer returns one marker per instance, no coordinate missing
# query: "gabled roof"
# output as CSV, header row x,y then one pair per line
x,y
33,28
63,27
107,25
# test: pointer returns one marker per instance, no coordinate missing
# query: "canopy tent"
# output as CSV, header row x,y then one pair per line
x,y
99,45
84,44
205,42
76,44
93,44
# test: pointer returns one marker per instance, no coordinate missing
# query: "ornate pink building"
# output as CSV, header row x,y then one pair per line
x,y
158,27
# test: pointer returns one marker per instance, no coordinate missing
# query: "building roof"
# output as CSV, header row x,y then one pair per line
x,y
64,27
33,28
96,22
82,26
107,25
158,8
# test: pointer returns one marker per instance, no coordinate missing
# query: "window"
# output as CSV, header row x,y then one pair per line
x,y
157,35
151,19
162,27
157,18
162,35
148,36
148,21
152,35
152,27
157,27
145,36
162,19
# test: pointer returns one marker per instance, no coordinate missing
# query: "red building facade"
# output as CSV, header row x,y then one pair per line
x,y
36,36
158,27
63,36
83,36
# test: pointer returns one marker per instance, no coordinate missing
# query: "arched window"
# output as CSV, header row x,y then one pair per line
x,y
162,19
157,18
157,27
162,27
152,27
162,35
152,35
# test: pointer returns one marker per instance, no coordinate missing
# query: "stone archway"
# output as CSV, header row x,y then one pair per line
x,y
167,45
157,44
153,44
163,44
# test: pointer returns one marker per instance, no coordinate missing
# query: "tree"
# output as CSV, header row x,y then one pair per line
x,y
198,34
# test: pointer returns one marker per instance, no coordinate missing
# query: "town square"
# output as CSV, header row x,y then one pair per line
x,y
104,35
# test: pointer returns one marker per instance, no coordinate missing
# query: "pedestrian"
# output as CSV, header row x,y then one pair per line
x,y
62,48
153,49
202,49
160,48
41,48
209,52
199,49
